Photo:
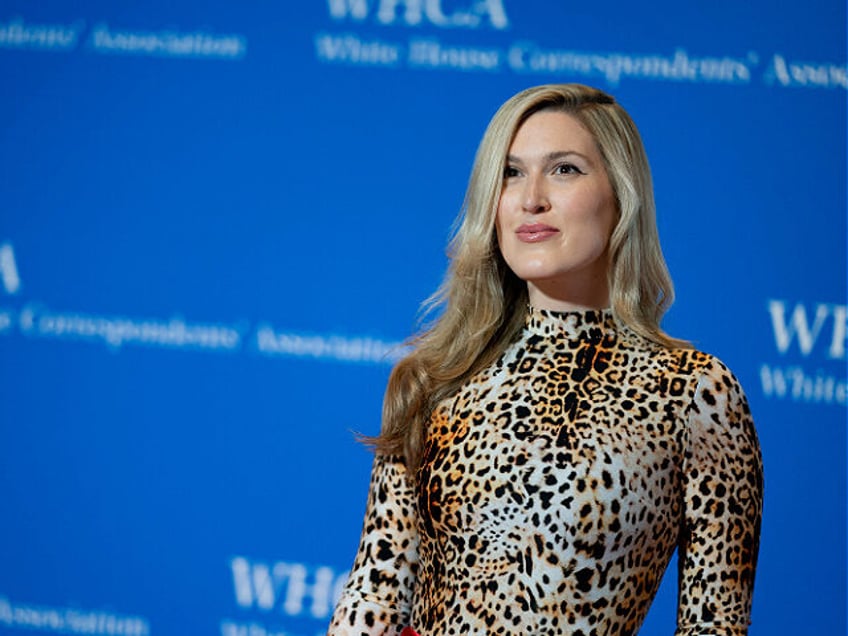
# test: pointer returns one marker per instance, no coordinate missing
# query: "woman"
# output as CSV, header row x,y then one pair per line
x,y
546,446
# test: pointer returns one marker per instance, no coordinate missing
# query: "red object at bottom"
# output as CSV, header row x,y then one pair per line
x,y
408,631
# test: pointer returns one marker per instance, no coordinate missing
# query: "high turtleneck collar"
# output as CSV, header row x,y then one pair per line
x,y
569,324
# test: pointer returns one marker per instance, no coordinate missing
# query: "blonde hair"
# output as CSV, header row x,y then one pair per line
x,y
484,303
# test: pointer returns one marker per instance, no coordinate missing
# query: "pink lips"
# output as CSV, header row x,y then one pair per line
x,y
535,232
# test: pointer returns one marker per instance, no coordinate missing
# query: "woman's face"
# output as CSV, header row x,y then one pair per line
x,y
556,213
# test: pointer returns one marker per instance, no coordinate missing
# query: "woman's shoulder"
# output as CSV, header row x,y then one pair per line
x,y
681,359
713,386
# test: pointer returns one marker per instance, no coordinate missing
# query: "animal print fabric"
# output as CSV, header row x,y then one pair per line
x,y
554,488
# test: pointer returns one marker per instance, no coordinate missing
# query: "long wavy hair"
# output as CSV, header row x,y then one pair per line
x,y
483,304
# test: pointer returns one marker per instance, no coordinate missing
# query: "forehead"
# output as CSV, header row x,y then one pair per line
x,y
551,130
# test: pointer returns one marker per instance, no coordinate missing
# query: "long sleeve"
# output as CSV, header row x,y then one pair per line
x,y
723,476
377,597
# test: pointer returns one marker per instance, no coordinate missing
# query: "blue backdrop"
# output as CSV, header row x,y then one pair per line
x,y
216,223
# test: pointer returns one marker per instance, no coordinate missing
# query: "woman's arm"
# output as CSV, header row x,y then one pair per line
x,y
723,478
377,596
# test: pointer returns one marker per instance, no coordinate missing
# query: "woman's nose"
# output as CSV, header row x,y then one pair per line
x,y
535,196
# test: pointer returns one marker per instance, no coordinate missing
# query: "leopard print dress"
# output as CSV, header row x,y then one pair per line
x,y
554,488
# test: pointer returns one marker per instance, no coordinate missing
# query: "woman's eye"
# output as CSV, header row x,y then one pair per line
x,y
568,168
509,171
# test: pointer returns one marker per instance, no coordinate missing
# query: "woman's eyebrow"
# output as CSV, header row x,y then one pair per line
x,y
551,156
